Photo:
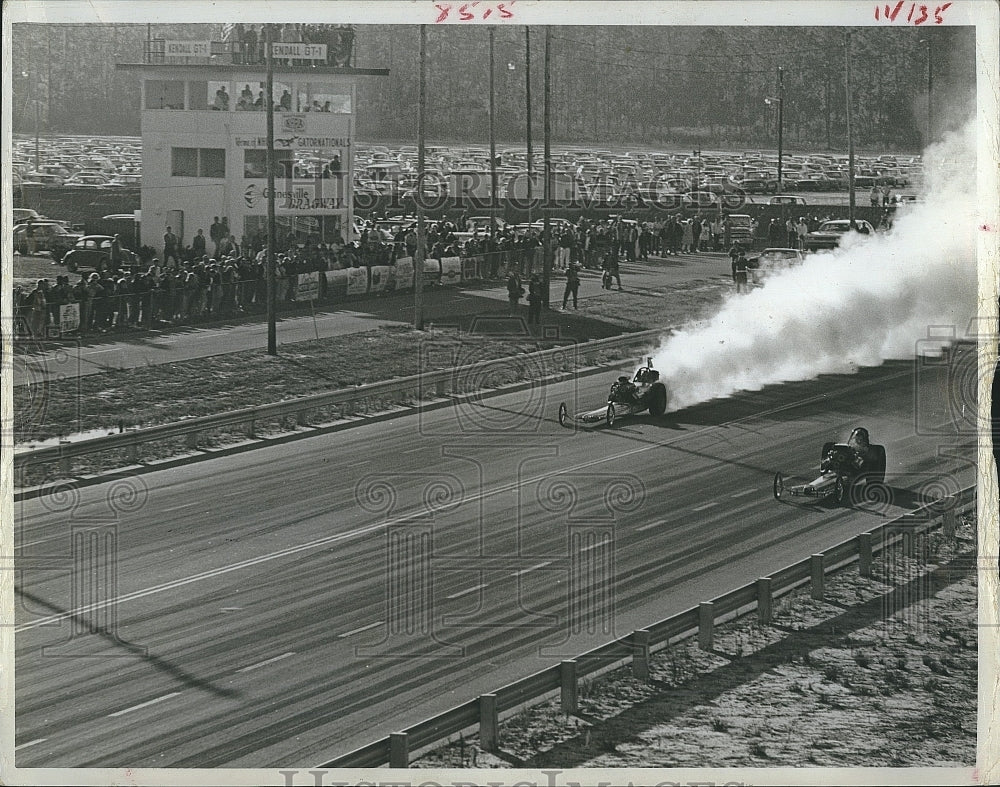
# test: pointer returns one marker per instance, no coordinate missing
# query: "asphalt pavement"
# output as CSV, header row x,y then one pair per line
x,y
283,606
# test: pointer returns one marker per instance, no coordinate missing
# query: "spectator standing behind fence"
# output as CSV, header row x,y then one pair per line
x,y
535,297
514,290
216,234
198,244
572,285
170,247
687,238
740,268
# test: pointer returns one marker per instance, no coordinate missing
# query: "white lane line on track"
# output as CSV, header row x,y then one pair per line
x,y
98,352
30,743
467,591
266,662
531,568
145,704
178,508
744,493
703,507
363,628
503,489
414,450
651,525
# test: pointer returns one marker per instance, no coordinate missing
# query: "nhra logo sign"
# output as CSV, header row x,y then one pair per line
x,y
253,195
293,123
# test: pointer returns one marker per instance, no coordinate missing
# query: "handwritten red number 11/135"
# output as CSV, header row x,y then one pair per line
x,y
918,14
475,11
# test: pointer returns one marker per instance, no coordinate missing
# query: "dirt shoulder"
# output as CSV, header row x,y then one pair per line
x,y
881,673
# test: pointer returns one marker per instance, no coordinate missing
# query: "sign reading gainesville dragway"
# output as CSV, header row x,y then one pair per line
x,y
308,195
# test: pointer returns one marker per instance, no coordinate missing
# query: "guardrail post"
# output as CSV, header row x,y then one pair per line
x,y
191,440
65,466
439,387
865,555
489,722
706,621
764,606
399,750
132,453
567,686
251,428
816,574
302,418
950,521
640,654
908,550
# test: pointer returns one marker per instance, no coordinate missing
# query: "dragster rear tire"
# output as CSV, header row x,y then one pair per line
x,y
658,401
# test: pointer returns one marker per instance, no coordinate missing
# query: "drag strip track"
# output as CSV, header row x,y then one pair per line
x,y
282,606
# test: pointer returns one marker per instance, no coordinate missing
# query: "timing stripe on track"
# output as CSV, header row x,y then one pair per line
x,y
144,704
264,663
363,628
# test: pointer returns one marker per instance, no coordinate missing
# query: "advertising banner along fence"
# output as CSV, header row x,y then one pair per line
x,y
451,270
308,287
357,281
69,317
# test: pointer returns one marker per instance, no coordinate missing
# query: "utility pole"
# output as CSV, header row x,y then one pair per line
x,y
547,192
781,119
930,87
272,329
527,99
493,145
418,262
850,134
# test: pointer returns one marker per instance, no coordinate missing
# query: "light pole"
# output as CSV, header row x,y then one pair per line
x,y
547,192
493,145
930,85
527,100
27,88
850,135
780,101
272,329
418,260
781,118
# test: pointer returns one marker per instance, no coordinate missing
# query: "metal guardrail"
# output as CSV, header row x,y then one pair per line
x,y
484,710
439,382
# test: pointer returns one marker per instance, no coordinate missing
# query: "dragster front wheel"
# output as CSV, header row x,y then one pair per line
x,y
609,416
779,486
563,414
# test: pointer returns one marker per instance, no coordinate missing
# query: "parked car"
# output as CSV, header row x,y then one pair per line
x,y
93,252
786,199
49,236
772,260
830,233
23,214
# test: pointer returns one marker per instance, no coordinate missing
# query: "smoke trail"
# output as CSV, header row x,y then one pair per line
x,y
866,302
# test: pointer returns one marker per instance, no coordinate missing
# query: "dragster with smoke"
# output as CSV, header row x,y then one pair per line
x,y
644,392
842,465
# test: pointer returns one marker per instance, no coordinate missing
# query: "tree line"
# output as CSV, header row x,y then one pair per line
x,y
642,85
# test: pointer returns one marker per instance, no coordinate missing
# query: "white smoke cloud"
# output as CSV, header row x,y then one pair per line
x,y
868,301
